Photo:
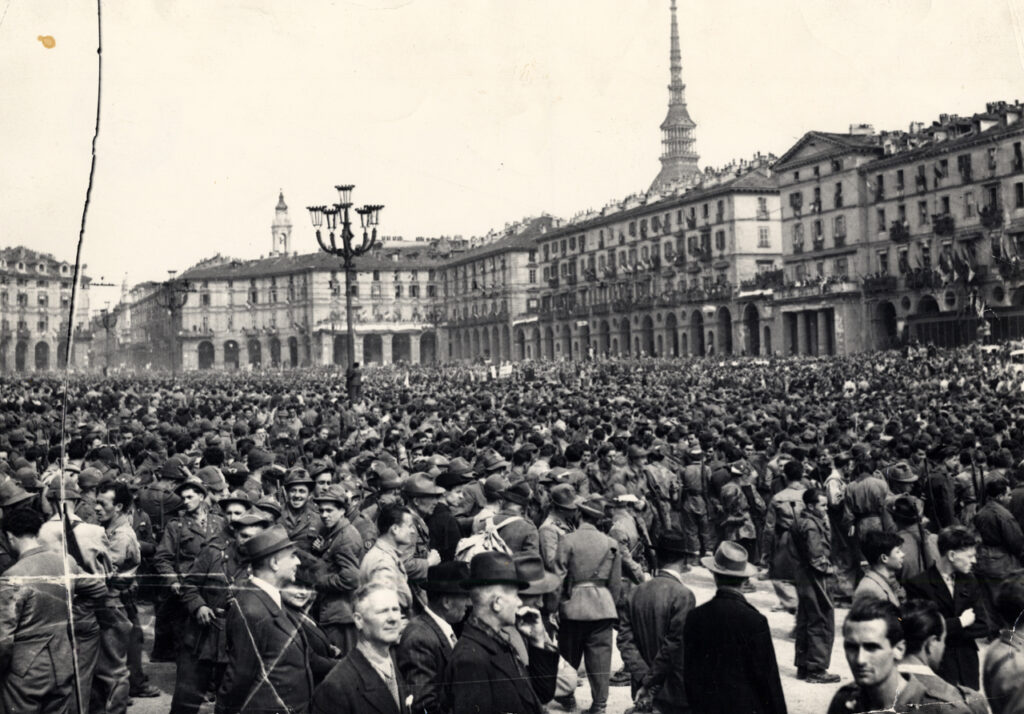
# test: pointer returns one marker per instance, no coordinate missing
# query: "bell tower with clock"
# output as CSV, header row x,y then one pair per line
x,y
281,229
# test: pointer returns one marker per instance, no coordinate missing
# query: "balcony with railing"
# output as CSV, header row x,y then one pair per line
x,y
839,240
943,224
877,284
599,308
991,215
899,232
767,280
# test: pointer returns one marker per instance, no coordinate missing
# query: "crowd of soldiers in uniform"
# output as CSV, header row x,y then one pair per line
x,y
440,542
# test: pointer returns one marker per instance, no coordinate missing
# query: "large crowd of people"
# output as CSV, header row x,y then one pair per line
x,y
457,539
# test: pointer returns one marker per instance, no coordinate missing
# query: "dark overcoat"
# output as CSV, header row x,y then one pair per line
x,y
423,656
730,660
354,686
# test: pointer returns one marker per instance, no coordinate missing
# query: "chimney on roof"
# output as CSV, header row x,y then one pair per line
x,y
862,130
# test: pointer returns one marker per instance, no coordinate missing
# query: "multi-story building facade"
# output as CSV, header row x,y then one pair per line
x,y
945,222
660,275
35,301
898,236
288,310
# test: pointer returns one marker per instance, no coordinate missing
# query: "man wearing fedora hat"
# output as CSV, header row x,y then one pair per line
x,y
300,517
429,638
513,524
729,657
592,565
485,672
342,551
205,592
268,665
558,524
651,629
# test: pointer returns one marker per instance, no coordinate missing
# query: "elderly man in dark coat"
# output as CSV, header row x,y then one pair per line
x,y
429,638
367,681
485,673
730,664
651,628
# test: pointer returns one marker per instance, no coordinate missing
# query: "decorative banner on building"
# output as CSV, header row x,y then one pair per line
x,y
582,323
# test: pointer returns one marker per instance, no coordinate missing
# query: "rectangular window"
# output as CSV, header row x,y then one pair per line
x,y
922,213
376,275
879,187
901,213
398,291
763,266
204,299
432,289
762,238
533,276
881,220
762,208
899,180
704,211
1018,195
963,166
720,240
944,202
839,227
968,204
839,195
840,267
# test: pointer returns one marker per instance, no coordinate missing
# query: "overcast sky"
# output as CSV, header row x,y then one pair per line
x,y
458,115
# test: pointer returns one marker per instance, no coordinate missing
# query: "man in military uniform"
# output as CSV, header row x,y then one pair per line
x,y
815,613
342,552
558,524
694,518
422,496
205,592
593,569
183,538
514,527
300,517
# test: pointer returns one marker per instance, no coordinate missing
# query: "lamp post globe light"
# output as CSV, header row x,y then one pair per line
x,y
339,228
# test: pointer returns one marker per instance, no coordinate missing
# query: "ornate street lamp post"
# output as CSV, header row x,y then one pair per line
x,y
172,296
108,320
339,227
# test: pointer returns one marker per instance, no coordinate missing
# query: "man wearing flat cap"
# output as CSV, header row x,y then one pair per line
x,y
429,638
268,655
485,673
342,551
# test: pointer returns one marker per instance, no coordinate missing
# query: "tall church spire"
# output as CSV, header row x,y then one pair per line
x,y
678,155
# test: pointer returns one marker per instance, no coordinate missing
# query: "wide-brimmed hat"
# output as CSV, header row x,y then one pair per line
x,y
730,559
318,467
298,477
253,517
673,542
237,496
460,466
493,461
175,469
269,504
336,493
530,568
212,478
593,505
450,479
71,491
493,568
419,485
191,482
273,540
906,508
900,472
564,496
446,578
518,493
12,494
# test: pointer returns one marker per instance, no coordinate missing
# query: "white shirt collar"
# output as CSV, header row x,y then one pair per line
x,y
443,624
908,668
269,589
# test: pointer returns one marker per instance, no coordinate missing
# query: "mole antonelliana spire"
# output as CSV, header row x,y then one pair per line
x,y
678,156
